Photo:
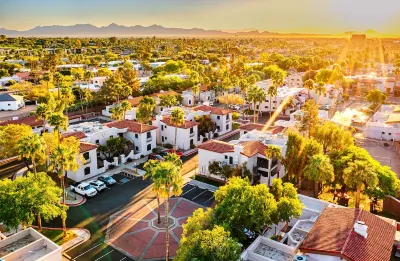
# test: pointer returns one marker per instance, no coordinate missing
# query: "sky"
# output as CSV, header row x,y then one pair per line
x,y
297,16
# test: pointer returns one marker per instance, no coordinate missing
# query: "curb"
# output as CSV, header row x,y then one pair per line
x,y
76,204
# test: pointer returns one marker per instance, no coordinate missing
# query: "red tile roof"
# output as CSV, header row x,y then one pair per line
x,y
212,110
216,146
203,88
186,125
260,127
333,234
135,101
79,135
165,93
132,126
31,121
251,148
84,147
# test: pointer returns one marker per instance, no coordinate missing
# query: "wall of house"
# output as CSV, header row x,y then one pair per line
x,y
222,121
316,257
205,157
140,141
79,175
187,99
381,131
11,105
103,135
183,136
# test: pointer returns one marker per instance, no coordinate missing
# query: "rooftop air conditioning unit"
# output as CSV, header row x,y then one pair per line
x,y
299,258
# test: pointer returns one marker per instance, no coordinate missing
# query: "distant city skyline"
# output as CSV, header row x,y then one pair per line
x,y
306,16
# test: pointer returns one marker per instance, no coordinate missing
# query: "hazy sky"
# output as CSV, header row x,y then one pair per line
x,y
306,16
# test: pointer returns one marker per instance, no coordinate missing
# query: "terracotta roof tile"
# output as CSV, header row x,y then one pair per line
x,y
186,125
31,121
132,126
78,134
260,127
251,148
84,147
216,146
135,101
212,110
333,234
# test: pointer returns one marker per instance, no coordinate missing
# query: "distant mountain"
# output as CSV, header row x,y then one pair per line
x,y
87,30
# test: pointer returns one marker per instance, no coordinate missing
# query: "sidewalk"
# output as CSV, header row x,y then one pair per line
x,y
73,199
82,235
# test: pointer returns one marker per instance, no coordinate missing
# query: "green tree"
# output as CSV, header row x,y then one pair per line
x,y
309,118
206,124
125,106
9,137
113,147
200,220
104,72
42,112
87,96
195,89
213,245
332,137
177,119
145,110
167,100
240,206
320,170
32,147
59,122
58,78
359,174
47,77
273,152
255,95
309,85
272,92
376,97
117,112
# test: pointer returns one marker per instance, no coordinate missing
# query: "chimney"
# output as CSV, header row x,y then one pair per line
x,y
360,228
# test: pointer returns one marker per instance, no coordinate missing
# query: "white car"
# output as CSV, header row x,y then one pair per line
x,y
98,185
210,103
327,107
84,189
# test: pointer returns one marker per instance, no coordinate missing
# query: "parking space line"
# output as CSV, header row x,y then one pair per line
x,y
122,259
87,251
208,200
188,191
199,194
104,255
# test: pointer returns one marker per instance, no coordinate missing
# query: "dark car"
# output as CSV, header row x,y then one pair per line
x,y
154,156
107,180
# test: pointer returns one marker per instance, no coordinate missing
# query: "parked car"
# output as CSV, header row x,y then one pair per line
x,y
107,180
154,156
210,103
172,151
98,185
326,107
84,189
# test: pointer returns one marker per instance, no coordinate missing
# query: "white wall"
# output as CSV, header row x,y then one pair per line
x,y
183,136
382,131
222,121
91,163
140,141
11,105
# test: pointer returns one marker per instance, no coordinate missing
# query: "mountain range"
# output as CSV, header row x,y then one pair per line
x,y
88,30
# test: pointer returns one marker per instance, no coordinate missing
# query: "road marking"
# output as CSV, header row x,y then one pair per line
x,y
107,188
208,200
104,255
122,259
87,251
188,191
199,194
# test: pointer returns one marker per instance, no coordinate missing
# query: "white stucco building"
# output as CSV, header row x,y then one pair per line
x,y
384,124
5,80
221,117
294,80
11,102
330,97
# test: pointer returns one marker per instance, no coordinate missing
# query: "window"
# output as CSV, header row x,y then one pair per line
x,y
162,127
148,135
161,109
227,117
226,157
218,117
257,107
9,104
191,130
136,135
267,100
87,171
120,135
162,139
148,147
136,148
191,142
97,142
86,155
190,101
230,160
383,132
165,138
390,133
266,107
227,126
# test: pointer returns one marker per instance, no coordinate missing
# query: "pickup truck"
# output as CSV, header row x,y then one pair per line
x,y
84,189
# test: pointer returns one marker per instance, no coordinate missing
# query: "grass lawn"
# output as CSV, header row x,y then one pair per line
x,y
57,236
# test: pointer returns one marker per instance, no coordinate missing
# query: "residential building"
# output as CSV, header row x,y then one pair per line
x,y
364,83
11,102
330,97
129,115
186,134
188,98
99,81
36,124
5,80
294,80
326,232
384,124
250,148
29,245
296,116
221,117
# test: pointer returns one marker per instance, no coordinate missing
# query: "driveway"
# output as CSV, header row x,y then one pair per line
x,y
7,115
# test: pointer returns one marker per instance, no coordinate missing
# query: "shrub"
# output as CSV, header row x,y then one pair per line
x,y
142,156
111,167
168,146
129,160
235,115
235,126
156,150
205,139
192,146
216,135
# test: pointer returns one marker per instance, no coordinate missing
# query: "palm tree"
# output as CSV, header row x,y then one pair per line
x,y
272,92
359,174
272,152
255,94
195,89
63,159
87,77
167,182
87,96
177,119
290,103
145,110
58,77
309,85
42,112
125,106
58,121
117,112
32,147
47,77
67,96
320,89
206,124
320,170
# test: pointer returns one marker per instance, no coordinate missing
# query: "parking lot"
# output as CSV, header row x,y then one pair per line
x,y
198,195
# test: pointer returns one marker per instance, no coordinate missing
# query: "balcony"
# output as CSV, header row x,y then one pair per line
x,y
149,139
191,134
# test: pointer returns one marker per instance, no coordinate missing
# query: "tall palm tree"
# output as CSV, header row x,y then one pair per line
x,y
87,96
195,89
320,170
357,175
87,77
253,96
309,85
58,77
272,152
290,103
320,89
125,106
42,112
67,96
177,119
32,147
117,112
63,159
145,110
272,92
168,182
58,121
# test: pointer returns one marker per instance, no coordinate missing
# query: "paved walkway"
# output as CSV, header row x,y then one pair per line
x,y
135,232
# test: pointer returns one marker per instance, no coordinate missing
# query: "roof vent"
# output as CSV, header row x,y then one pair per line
x,y
360,228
